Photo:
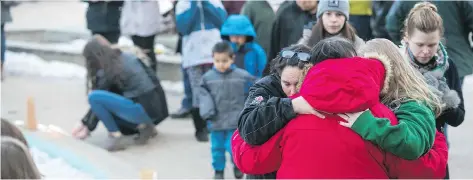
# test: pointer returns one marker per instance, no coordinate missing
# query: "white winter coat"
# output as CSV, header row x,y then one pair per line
x,y
141,18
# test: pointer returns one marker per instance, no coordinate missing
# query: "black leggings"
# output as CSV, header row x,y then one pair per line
x,y
112,37
147,44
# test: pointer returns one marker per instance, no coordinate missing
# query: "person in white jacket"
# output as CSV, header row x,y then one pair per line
x,y
142,21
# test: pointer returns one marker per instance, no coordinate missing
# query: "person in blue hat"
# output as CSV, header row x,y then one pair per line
x,y
249,55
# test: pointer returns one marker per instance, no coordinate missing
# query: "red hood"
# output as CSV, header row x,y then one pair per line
x,y
344,85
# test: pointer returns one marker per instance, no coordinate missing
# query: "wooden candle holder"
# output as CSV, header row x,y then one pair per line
x,y
31,122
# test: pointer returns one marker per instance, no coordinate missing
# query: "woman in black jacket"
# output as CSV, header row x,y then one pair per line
x,y
125,95
268,108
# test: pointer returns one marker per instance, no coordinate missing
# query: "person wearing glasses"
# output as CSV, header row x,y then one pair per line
x,y
268,107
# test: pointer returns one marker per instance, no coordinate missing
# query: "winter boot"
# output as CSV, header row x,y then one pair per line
x,y
115,143
145,133
238,174
219,175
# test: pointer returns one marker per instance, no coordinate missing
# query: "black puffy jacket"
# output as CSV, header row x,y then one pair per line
x,y
267,110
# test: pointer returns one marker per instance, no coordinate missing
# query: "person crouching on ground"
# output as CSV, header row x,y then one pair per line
x,y
222,97
142,104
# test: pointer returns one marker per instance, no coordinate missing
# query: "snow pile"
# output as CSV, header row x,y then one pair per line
x,y
54,168
76,46
25,64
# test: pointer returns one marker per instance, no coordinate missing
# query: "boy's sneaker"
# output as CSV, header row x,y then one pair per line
x,y
238,174
218,175
115,143
202,136
145,133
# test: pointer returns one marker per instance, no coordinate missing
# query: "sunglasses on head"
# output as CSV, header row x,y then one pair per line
x,y
300,55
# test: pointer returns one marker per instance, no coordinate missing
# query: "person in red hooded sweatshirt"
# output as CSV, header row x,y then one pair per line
x,y
309,147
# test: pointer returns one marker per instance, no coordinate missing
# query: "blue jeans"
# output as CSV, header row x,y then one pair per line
x,y
3,43
187,100
220,141
104,104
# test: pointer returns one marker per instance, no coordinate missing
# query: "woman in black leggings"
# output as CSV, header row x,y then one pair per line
x,y
142,21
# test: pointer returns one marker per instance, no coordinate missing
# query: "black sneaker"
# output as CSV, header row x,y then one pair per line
x,y
181,113
238,174
218,175
115,143
202,136
146,133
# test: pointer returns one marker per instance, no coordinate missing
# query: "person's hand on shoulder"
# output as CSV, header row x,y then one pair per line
x,y
301,106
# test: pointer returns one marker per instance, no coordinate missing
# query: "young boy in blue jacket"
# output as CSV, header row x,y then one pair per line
x,y
249,55
221,99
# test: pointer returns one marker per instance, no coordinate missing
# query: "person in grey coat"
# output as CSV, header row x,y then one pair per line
x,y
221,99
125,95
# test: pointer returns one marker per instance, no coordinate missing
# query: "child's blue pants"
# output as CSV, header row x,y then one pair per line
x,y
220,141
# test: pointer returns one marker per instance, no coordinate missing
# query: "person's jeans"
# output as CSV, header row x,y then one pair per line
x,y
3,43
220,141
187,100
104,104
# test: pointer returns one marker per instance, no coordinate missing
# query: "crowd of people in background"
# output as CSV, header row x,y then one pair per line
x,y
291,89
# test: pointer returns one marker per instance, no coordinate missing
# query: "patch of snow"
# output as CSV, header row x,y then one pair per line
x,y
26,64
54,168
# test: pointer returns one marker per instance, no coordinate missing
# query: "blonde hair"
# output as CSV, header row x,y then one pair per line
x,y
405,81
305,70
17,162
423,17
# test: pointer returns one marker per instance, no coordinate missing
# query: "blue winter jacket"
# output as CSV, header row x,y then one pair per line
x,y
199,23
250,56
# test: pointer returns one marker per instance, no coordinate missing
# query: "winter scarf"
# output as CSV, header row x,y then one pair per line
x,y
433,73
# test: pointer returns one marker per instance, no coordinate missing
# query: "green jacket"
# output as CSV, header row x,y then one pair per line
x,y
262,17
458,23
410,139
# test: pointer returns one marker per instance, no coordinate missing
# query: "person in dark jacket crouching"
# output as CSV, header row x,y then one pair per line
x,y
126,95
268,108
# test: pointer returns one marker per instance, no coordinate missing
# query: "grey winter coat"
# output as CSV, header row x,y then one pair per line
x,y
134,79
135,84
6,15
222,97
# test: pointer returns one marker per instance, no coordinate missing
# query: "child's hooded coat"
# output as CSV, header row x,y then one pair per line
x,y
251,55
